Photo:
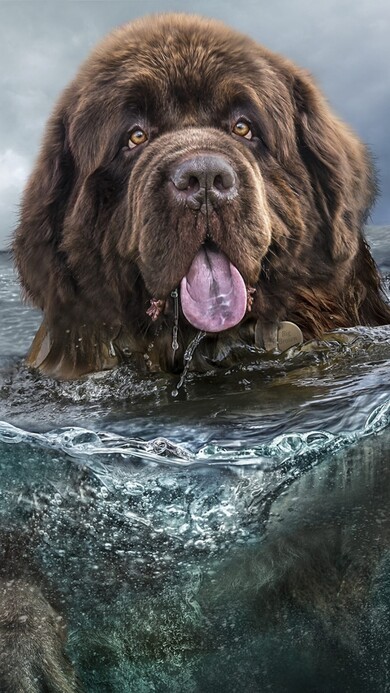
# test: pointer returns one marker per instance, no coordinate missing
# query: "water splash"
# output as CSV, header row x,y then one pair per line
x,y
153,505
175,329
188,354
281,451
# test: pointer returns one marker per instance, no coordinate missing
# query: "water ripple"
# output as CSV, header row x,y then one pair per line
x,y
287,448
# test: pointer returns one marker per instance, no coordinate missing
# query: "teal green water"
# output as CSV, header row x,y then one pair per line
x,y
234,538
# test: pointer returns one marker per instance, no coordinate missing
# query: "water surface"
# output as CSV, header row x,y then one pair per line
x,y
233,538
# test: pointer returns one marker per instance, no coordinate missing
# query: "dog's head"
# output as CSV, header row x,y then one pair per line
x,y
185,155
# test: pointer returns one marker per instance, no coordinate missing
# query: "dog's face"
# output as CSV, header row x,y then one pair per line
x,y
185,155
188,145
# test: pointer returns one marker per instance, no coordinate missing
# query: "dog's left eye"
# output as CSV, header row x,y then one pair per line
x,y
137,136
243,129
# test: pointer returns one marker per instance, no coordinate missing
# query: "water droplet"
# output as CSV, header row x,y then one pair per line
x,y
189,352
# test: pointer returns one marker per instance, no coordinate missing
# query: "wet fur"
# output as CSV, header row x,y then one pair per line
x,y
98,238
100,234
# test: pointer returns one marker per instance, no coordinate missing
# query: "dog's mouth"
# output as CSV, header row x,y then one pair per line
x,y
213,293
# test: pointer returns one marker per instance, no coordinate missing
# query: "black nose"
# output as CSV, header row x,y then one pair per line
x,y
205,178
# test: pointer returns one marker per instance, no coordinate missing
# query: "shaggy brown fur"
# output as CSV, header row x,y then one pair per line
x,y
101,233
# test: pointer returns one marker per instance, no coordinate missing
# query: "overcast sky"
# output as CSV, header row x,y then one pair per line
x,y
344,43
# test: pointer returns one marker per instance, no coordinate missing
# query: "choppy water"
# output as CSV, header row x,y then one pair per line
x,y
233,538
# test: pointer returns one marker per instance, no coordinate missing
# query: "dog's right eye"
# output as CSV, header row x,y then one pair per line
x,y
137,136
243,129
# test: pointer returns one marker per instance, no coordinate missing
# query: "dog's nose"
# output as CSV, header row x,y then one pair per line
x,y
205,178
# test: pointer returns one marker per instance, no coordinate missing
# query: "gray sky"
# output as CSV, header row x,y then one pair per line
x,y
344,43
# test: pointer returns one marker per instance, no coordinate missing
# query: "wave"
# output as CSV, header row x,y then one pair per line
x,y
286,449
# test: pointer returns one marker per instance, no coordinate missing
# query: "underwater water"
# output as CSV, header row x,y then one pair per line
x,y
233,538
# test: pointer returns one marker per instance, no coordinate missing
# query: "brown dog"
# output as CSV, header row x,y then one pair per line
x,y
186,156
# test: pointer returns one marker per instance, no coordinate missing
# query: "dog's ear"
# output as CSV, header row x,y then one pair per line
x,y
43,272
344,187
339,167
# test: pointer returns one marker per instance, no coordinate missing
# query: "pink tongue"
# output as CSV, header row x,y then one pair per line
x,y
213,294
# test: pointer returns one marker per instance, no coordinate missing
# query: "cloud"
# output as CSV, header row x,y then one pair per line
x,y
14,170
343,43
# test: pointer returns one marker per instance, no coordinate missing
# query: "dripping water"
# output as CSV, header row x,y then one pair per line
x,y
188,354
